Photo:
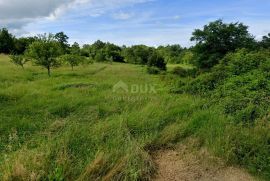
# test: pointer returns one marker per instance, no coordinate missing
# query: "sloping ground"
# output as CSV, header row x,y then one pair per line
x,y
184,164
74,126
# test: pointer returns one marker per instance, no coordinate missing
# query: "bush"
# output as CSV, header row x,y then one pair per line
x,y
180,71
239,84
156,60
153,70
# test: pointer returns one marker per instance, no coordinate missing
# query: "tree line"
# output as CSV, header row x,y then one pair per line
x,y
212,43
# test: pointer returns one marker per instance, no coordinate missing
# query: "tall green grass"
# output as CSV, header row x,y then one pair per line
x,y
72,126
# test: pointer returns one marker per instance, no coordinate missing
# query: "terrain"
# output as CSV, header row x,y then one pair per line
x,y
105,122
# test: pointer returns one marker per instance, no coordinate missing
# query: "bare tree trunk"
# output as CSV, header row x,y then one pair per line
x,y
49,71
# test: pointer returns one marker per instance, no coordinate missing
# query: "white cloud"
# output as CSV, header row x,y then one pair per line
x,y
18,13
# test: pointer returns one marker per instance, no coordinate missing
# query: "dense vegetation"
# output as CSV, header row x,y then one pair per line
x,y
237,81
73,126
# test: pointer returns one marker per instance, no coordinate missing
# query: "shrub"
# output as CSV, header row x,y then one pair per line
x,y
180,71
156,60
153,70
239,84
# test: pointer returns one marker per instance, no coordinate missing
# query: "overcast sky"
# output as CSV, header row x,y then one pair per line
x,y
150,22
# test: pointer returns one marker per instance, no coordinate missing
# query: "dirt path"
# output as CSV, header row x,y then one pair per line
x,y
184,165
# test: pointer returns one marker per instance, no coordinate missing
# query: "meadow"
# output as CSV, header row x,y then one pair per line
x,y
75,126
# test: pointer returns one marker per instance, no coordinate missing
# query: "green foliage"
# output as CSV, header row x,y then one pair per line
x,y
19,60
187,57
113,53
240,84
62,38
217,39
138,54
75,49
171,53
156,60
85,51
100,56
21,44
72,59
153,70
6,41
103,52
45,52
265,43
183,72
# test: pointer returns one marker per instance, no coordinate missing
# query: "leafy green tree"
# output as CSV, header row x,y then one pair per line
x,y
85,51
101,52
187,57
62,38
45,52
96,50
217,39
6,41
171,53
21,44
19,60
156,60
265,43
113,53
75,49
72,59
100,56
138,54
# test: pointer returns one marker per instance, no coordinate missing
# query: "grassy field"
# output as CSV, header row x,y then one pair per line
x,y
76,125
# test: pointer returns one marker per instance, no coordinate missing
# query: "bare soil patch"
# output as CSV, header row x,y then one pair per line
x,y
184,164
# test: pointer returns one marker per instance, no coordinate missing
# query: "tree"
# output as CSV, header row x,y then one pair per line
x,y
100,56
62,38
156,60
75,49
171,53
138,54
45,51
265,43
113,53
217,39
19,60
72,60
86,49
101,52
6,41
21,44
96,50
186,57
